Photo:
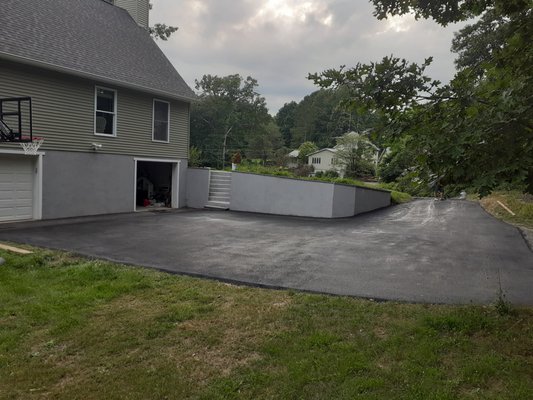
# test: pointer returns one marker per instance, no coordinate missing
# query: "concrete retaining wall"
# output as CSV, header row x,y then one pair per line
x,y
274,195
285,196
197,187
368,200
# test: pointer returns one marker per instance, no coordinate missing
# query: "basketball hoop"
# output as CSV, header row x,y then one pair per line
x,y
31,147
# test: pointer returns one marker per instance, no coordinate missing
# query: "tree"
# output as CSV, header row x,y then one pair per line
x,y
475,131
285,121
305,149
264,142
447,11
161,31
225,118
320,119
355,153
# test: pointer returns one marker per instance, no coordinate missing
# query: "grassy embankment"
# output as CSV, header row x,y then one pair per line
x,y
519,203
396,197
72,328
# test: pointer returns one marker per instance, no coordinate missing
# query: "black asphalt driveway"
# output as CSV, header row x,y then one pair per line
x,y
423,251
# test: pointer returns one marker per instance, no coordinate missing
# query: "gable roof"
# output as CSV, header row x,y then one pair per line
x,y
321,150
88,38
294,153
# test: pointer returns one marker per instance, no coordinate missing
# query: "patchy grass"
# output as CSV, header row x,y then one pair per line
x,y
71,328
520,203
400,197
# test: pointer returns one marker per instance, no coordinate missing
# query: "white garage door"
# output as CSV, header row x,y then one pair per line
x,y
16,187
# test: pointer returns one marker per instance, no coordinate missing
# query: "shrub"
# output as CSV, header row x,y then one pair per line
x,y
331,174
236,158
303,170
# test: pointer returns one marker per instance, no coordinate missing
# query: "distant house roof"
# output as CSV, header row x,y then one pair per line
x,y
321,150
294,153
88,38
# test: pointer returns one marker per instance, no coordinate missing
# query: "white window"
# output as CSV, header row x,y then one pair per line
x,y
161,121
105,112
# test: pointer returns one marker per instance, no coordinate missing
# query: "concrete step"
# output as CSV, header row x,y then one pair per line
x,y
221,205
222,174
226,188
219,193
220,180
224,199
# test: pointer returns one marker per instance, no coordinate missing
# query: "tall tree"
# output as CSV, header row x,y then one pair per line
x,y
264,142
225,118
476,131
285,119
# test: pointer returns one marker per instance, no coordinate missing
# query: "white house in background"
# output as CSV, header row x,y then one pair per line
x,y
325,160
293,158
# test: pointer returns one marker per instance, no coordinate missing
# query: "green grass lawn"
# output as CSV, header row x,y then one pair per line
x,y
72,328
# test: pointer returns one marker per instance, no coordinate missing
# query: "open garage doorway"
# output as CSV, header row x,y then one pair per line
x,y
156,184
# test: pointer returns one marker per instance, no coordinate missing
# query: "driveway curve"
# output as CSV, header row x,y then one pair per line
x,y
424,251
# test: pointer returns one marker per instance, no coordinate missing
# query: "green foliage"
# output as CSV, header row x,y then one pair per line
x,y
264,142
400,197
327,174
355,153
447,11
476,131
161,31
285,121
320,118
305,149
227,117
195,156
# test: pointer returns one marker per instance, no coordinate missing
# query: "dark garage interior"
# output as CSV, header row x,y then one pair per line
x,y
154,185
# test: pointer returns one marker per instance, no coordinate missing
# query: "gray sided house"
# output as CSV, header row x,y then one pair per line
x,y
113,111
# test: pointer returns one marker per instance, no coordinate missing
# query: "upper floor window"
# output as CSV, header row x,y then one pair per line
x,y
161,121
105,114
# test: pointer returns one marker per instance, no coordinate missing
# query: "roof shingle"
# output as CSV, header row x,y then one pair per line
x,y
88,37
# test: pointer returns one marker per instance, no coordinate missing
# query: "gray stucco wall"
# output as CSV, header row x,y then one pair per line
x,y
273,195
77,184
197,187
282,196
369,199
343,201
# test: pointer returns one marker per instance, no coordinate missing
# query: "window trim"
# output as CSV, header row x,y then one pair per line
x,y
153,121
115,114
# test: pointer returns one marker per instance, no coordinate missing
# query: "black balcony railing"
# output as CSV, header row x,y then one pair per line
x,y
16,123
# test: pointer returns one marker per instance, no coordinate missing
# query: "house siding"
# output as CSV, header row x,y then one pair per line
x,y
326,161
63,113
138,9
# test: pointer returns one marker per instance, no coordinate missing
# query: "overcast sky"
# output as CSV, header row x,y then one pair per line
x,y
278,42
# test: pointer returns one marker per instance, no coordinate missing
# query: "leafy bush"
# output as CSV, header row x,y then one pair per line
x,y
195,156
331,174
303,170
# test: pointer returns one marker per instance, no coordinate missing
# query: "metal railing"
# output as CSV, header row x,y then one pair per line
x,y
17,132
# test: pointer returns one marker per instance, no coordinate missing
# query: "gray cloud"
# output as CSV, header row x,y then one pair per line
x,y
280,42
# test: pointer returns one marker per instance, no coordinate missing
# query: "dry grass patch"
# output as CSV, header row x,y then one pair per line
x,y
520,203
